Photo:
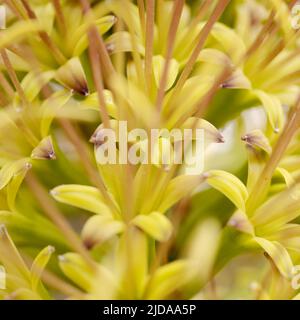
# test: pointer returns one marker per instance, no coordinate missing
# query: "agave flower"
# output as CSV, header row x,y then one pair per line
x,y
70,70
22,282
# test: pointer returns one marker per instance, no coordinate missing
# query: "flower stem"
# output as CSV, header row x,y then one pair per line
x,y
141,7
177,10
97,41
149,42
57,54
60,16
13,77
260,189
57,217
203,34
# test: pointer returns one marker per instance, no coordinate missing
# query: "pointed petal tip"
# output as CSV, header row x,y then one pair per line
x,y
224,85
3,231
205,175
50,249
114,19
28,165
62,258
244,138
53,192
84,91
51,155
110,47
220,139
88,243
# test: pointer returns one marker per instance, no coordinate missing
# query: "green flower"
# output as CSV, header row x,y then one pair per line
x,y
69,70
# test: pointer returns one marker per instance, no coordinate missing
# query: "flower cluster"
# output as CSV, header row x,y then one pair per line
x,y
73,226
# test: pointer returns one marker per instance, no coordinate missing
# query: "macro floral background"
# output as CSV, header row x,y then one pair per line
x,y
72,228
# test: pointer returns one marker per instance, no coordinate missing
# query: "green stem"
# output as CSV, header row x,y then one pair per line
x,y
264,180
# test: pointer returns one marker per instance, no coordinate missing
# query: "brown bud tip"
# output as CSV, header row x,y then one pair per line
x,y
110,47
97,138
44,151
3,230
50,249
205,175
225,85
89,243
220,139
84,91
245,138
